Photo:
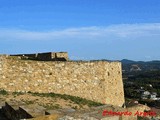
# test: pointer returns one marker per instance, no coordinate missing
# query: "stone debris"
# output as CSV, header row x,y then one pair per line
x,y
32,112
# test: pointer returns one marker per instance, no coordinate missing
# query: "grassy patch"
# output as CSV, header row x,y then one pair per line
x,y
3,92
17,93
142,118
74,99
28,102
50,106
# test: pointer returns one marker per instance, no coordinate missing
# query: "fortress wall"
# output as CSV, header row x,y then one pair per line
x,y
62,55
113,82
2,63
100,81
1,67
45,56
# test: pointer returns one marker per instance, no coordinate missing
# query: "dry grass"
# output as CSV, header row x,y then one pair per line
x,y
48,100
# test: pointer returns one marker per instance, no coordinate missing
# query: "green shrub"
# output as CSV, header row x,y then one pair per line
x,y
3,92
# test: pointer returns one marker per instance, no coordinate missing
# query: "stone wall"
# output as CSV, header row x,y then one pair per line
x,y
27,56
2,60
0,67
62,55
100,81
45,56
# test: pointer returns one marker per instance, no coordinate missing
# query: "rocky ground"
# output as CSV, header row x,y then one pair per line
x,y
48,101
69,107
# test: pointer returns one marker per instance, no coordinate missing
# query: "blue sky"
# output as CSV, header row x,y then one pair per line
x,y
87,29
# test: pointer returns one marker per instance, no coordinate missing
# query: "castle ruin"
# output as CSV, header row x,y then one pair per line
x,y
48,56
100,81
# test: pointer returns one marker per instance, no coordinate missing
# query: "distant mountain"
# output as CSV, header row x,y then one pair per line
x,y
126,61
130,65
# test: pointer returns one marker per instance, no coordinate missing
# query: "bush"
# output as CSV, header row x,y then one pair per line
x,y
17,93
3,92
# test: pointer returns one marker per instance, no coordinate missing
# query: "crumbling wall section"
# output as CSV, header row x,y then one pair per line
x,y
62,55
45,56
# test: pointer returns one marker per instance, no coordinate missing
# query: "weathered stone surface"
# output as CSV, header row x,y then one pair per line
x,y
47,117
11,110
32,110
99,81
97,113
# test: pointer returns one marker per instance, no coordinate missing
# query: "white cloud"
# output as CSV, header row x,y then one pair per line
x,y
121,31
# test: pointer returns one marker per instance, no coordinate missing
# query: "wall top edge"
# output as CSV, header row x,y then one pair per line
x,y
70,61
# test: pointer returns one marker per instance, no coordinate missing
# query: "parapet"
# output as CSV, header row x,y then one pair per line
x,y
48,56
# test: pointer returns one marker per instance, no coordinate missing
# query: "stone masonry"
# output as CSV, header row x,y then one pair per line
x,y
99,81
